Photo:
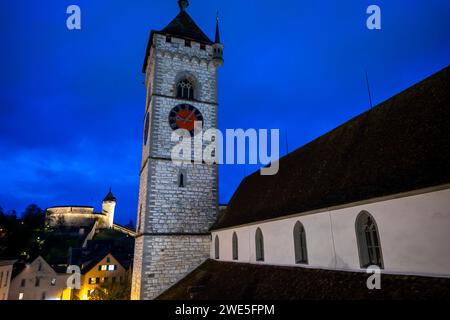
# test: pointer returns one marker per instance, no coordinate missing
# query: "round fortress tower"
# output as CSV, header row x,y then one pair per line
x,y
108,207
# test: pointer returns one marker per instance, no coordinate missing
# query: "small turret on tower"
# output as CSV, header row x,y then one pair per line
x,y
217,46
108,207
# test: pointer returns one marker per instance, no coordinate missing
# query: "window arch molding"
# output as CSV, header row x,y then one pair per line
x,y
368,240
300,247
187,76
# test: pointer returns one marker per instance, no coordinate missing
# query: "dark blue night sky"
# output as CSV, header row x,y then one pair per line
x,y
72,102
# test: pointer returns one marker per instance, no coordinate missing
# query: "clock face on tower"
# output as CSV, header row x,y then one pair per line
x,y
183,116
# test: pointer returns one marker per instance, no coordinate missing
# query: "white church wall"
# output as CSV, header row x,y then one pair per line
x,y
279,241
415,233
413,230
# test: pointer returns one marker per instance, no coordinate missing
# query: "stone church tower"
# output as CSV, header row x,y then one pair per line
x,y
177,205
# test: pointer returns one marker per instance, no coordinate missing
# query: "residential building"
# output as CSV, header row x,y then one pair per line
x,y
39,281
6,268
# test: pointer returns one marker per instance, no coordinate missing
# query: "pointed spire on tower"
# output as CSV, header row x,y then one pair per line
x,y
183,4
217,40
109,196
217,46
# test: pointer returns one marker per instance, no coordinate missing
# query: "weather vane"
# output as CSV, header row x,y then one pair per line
x,y
183,4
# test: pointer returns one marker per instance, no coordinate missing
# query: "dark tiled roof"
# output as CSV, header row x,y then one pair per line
x,y
401,145
90,261
60,268
7,262
124,260
215,280
217,37
183,26
109,196
17,269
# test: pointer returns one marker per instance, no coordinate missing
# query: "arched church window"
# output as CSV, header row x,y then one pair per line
x,y
185,90
301,253
235,246
216,247
259,244
368,239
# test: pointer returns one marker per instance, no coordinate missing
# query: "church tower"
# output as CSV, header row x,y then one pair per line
x,y
177,204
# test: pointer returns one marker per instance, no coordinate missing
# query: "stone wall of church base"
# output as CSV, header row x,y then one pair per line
x,y
167,259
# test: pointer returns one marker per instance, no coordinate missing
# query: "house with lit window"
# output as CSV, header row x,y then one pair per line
x,y
103,269
39,281
6,267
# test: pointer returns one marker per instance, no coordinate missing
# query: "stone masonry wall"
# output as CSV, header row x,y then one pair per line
x,y
137,268
168,259
172,209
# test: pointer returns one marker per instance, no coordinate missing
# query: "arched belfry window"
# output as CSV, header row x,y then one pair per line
x,y
368,239
235,246
259,243
216,247
301,253
185,89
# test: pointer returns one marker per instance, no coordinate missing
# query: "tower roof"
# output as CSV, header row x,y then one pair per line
x,y
183,26
109,196
217,38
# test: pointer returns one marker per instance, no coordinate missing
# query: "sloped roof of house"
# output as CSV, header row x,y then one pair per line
x,y
20,266
265,282
400,145
7,262
94,260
